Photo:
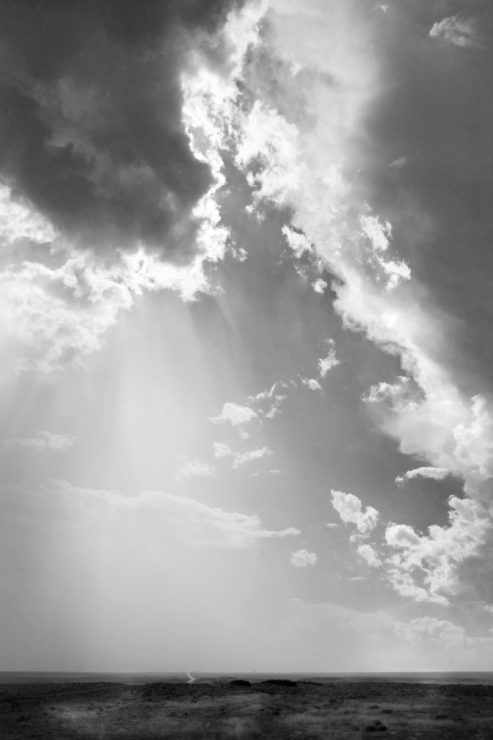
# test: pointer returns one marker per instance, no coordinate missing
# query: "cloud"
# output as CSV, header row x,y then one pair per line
x,y
238,459
220,450
235,414
105,194
193,469
153,517
423,472
399,162
269,402
303,558
44,440
437,633
242,458
311,383
325,364
84,136
369,554
349,508
426,567
319,286
456,30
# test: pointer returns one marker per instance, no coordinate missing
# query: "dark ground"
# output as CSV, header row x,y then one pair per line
x,y
237,709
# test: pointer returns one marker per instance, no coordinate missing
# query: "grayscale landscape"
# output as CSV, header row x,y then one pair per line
x,y
246,369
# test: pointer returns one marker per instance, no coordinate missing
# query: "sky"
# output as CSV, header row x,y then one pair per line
x,y
246,400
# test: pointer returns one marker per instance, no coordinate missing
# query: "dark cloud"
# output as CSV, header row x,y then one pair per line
x,y
436,111
90,115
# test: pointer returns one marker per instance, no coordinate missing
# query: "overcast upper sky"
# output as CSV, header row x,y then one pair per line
x,y
246,399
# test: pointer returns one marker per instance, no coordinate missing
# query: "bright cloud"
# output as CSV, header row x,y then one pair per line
x,y
235,415
311,383
325,364
242,458
423,472
350,509
303,558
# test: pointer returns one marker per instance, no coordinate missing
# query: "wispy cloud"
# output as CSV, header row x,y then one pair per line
x,y
157,517
44,440
242,458
239,459
423,472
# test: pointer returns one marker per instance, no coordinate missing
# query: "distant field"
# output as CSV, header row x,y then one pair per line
x,y
338,710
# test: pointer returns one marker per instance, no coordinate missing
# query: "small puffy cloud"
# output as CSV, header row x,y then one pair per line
x,y
235,415
378,236
311,383
297,241
193,469
456,30
325,364
369,555
303,558
242,458
399,162
44,440
220,450
423,472
319,286
268,402
350,509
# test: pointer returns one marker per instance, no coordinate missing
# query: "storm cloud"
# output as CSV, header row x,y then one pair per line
x,y
90,116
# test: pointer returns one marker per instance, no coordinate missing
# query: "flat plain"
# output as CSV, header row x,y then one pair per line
x,y
229,708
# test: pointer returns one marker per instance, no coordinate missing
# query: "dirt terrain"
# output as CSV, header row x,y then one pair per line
x,y
224,708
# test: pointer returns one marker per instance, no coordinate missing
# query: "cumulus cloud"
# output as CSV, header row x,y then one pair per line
x,y
303,558
84,135
193,469
319,286
456,30
426,567
44,440
311,383
423,472
235,414
221,450
369,555
103,193
350,509
325,364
